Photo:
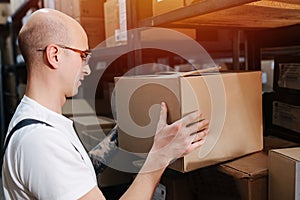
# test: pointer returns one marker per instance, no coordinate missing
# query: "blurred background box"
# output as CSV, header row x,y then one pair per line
x,y
77,107
94,28
284,174
92,122
4,12
80,8
287,74
281,112
164,6
115,22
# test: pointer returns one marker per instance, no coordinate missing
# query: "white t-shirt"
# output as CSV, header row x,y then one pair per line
x,y
41,162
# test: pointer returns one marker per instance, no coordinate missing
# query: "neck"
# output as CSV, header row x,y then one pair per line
x,y
42,92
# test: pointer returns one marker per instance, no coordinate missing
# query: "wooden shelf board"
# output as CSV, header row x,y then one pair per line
x,y
246,14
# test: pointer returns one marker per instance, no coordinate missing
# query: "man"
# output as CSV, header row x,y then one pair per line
x,y
47,161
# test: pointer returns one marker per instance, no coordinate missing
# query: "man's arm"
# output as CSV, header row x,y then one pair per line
x,y
170,142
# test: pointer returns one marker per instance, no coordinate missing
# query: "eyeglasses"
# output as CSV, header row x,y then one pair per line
x,y
85,55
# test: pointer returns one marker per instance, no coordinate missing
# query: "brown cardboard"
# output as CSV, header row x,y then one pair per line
x,y
164,6
77,107
81,8
250,173
231,101
92,122
113,25
284,173
94,28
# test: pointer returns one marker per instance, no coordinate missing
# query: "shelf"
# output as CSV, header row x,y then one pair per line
x,y
246,14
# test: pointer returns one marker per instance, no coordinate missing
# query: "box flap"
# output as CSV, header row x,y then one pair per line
x,y
293,153
252,166
190,73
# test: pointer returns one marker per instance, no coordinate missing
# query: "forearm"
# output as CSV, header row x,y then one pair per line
x,y
147,180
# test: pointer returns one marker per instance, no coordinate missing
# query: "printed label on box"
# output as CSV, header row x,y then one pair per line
x,y
289,75
286,116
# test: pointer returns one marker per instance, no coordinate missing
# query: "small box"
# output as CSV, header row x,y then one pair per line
x,y
77,107
115,22
164,6
250,174
284,174
231,101
287,74
92,122
94,28
4,12
282,115
81,8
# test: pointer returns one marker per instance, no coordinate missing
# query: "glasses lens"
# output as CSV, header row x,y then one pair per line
x,y
87,58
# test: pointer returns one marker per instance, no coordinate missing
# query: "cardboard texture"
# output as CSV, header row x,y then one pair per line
x,y
92,122
164,6
81,8
77,107
115,22
250,174
284,174
231,101
94,28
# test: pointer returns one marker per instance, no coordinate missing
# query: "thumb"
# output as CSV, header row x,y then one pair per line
x,y
163,116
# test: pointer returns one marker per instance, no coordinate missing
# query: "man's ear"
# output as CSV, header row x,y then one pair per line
x,y
52,55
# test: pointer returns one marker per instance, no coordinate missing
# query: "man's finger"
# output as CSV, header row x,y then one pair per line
x,y
163,116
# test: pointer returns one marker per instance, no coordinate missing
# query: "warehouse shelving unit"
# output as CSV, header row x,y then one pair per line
x,y
247,16
12,71
253,25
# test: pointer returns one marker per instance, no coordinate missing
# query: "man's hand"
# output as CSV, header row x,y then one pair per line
x,y
177,139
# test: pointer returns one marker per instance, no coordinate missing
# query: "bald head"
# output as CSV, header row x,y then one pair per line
x,y
44,27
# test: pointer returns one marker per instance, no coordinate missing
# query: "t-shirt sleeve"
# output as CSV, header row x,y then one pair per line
x,y
51,167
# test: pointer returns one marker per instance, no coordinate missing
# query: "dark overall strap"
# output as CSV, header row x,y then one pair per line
x,y
20,124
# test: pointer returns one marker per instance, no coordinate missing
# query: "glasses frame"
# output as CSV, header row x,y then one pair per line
x,y
85,55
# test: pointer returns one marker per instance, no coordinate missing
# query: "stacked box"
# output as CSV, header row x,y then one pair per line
x,y
89,13
282,107
77,107
284,174
165,6
115,22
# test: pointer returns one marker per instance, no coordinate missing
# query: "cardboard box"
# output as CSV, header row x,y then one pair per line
x,y
164,6
250,174
282,115
287,74
77,107
81,8
244,178
94,28
115,22
284,174
92,122
231,101
4,12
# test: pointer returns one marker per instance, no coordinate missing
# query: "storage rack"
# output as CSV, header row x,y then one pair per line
x,y
249,16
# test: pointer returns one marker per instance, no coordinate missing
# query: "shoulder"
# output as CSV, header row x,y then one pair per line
x,y
37,137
